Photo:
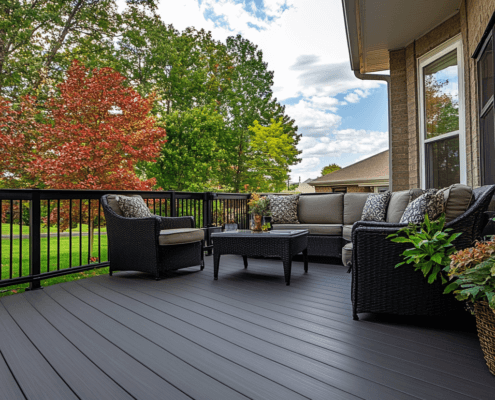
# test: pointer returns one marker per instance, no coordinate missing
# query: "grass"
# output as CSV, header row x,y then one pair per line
x,y
78,258
53,229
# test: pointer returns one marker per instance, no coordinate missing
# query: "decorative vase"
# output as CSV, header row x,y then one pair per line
x,y
485,323
256,222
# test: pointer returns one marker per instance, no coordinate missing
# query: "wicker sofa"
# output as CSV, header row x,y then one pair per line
x,y
379,287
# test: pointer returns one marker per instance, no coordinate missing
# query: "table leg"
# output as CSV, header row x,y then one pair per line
x,y
305,257
216,262
287,269
245,261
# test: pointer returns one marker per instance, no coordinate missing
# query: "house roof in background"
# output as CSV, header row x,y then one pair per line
x,y
372,170
304,187
376,26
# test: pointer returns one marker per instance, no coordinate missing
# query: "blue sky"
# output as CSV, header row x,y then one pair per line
x,y
341,118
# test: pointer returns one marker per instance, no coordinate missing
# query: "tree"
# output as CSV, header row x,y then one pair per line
x,y
330,168
249,99
40,38
271,153
91,136
442,110
190,159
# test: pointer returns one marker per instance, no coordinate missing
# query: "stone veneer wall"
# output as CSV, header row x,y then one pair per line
x,y
471,22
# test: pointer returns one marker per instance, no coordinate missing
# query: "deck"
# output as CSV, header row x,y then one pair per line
x,y
246,335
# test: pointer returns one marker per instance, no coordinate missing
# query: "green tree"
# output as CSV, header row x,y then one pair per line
x,y
190,158
271,152
330,168
249,99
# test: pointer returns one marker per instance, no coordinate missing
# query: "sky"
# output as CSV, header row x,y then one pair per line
x,y
342,119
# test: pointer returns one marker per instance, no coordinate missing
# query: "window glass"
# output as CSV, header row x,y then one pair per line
x,y
486,73
488,147
443,167
441,93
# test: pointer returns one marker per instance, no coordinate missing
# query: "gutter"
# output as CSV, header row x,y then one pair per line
x,y
386,78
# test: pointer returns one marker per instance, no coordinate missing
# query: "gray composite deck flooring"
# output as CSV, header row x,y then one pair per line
x,y
246,335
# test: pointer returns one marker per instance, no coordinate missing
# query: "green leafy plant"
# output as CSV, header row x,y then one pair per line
x,y
432,247
259,205
473,270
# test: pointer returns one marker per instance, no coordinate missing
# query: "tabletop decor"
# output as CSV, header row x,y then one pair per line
x,y
259,206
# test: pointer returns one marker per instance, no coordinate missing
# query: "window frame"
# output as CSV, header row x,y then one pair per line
x,y
454,43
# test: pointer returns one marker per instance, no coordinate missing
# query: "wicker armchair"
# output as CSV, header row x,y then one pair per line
x,y
378,287
135,243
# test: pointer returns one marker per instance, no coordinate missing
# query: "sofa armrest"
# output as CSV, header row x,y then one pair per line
x,y
176,222
374,226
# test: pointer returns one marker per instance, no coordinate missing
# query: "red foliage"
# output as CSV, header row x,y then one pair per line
x,y
101,129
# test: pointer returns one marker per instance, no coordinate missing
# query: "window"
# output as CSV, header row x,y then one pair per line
x,y
339,190
441,121
485,62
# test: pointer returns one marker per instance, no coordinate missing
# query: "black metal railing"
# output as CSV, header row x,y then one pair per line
x,y
49,233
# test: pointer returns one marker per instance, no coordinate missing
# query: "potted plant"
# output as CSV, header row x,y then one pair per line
x,y
472,272
259,206
230,224
432,247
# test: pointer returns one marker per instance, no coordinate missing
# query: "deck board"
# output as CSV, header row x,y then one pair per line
x,y
246,335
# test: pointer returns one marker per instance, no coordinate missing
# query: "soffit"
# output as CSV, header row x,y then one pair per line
x,y
374,27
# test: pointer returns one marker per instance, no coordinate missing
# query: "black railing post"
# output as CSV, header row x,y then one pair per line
x,y
207,219
173,208
35,239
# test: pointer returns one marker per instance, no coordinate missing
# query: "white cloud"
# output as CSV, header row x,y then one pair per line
x,y
357,95
311,120
348,141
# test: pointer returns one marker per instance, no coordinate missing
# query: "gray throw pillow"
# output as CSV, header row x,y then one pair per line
x,y
375,208
429,202
133,207
284,209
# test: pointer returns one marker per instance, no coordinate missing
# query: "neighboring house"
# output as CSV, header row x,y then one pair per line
x,y
441,85
368,175
305,187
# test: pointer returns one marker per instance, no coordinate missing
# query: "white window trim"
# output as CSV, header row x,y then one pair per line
x,y
444,48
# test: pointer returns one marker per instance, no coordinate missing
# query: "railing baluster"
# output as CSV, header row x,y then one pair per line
x,y
90,230
80,231
48,237
70,233
20,238
99,230
34,238
58,234
11,218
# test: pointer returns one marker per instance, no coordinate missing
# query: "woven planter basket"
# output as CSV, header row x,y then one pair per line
x,y
485,322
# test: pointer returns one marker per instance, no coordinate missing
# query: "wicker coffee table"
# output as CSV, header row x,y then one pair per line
x,y
285,244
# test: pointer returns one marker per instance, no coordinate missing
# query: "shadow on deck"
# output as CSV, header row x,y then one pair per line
x,y
246,335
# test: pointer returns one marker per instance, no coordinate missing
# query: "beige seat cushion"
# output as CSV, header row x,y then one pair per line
x,y
457,200
321,209
346,232
314,229
397,205
353,207
114,204
178,236
347,255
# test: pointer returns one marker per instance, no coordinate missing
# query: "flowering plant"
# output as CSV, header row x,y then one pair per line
x,y
259,205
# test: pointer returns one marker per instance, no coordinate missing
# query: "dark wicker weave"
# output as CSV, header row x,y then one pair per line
x,y
133,244
327,246
485,323
249,244
378,287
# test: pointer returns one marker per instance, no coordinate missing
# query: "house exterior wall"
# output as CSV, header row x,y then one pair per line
x,y
350,189
471,21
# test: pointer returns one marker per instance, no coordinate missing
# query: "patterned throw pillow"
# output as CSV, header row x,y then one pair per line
x,y
284,209
133,207
430,202
375,208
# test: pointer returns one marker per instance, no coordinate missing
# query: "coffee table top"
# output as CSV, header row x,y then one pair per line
x,y
270,234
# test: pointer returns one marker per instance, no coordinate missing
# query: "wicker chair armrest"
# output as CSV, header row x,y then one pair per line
x,y
176,222
376,226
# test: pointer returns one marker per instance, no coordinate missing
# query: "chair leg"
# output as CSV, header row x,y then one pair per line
x,y
110,272
202,257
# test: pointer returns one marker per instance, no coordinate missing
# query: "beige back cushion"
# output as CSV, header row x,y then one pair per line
x,y
353,207
457,200
397,205
114,204
320,209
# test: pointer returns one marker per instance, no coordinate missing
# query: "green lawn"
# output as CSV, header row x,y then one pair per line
x,y
64,259
53,229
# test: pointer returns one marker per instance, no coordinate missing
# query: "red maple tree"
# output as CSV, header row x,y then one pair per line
x,y
93,133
